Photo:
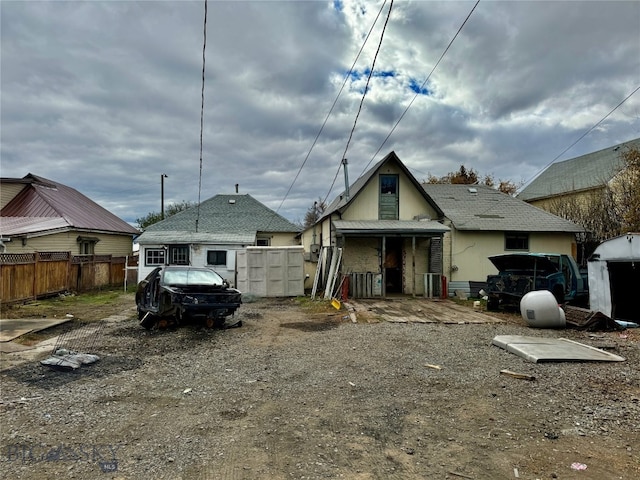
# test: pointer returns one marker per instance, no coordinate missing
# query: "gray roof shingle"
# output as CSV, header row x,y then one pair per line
x,y
490,210
224,218
577,174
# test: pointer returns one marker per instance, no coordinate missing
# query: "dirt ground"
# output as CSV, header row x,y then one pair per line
x,y
300,391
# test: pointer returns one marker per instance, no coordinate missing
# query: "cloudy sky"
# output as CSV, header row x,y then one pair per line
x,y
105,96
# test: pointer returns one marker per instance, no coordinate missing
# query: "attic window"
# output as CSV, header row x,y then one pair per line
x,y
473,190
232,201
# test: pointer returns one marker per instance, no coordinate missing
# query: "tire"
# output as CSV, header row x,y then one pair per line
x,y
147,321
558,292
493,304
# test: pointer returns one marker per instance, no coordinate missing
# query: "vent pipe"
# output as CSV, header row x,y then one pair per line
x,y
346,179
237,185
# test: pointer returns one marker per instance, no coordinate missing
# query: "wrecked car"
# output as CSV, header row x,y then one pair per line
x,y
520,273
174,295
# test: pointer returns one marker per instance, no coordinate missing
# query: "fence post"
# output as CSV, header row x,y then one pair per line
x,y
36,258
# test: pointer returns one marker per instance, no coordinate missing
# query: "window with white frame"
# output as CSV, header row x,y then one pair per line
x,y
154,256
263,242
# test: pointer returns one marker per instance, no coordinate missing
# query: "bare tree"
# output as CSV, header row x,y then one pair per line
x,y
314,212
469,176
610,211
155,217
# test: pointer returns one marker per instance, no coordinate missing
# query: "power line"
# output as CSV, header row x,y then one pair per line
x,y
366,88
346,79
204,46
580,138
421,87
573,144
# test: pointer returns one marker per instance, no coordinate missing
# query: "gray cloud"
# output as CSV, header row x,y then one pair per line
x,y
105,96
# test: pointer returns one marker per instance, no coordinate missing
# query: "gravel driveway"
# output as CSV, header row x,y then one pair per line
x,y
307,394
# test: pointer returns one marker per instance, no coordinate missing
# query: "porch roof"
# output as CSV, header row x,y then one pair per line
x,y
391,227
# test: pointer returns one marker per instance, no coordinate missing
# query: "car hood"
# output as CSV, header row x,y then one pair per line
x,y
523,262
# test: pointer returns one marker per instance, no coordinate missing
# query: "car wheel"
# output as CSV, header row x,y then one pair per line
x,y
214,322
558,292
493,304
148,321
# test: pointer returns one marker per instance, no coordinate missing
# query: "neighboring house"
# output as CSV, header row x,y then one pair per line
x,y
577,177
212,234
485,222
40,215
387,228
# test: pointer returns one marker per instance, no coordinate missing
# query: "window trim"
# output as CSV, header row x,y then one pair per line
x,y
161,257
178,250
520,238
218,252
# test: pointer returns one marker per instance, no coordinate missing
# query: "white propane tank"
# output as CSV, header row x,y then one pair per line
x,y
540,310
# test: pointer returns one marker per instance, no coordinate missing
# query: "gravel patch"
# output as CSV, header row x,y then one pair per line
x,y
296,393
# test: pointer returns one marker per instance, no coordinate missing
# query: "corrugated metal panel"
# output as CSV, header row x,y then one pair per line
x,y
44,198
24,225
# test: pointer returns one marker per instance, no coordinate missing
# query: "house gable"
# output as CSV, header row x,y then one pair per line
x,y
363,201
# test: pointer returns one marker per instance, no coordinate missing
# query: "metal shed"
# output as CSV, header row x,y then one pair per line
x,y
614,277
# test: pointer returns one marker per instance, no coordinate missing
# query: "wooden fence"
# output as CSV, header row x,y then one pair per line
x,y
26,276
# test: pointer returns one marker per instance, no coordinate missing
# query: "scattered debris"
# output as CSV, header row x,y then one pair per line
x,y
522,376
67,352
578,466
69,360
515,473
589,320
462,475
625,324
186,390
435,367
461,294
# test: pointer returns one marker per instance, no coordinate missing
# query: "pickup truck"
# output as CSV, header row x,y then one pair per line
x,y
520,273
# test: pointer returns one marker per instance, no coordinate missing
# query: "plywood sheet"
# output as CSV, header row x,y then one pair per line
x,y
16,327
539,349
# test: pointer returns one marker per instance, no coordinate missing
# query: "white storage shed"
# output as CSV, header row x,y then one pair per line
x,y
614,277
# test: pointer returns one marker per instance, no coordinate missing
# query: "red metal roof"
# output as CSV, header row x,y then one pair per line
x,y
45,198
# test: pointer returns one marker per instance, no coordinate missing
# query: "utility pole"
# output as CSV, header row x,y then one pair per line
x,y
162,177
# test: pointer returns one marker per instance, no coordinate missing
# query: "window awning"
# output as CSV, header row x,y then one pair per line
x,y
87,239
414,228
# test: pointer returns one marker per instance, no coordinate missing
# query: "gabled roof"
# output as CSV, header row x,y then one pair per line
x,y
44,205
223,218
340,203
478,207
578,174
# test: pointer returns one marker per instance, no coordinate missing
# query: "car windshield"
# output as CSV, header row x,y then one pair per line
x,y
191,277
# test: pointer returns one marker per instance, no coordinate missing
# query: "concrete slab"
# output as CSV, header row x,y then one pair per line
x,y
13,328
538,349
